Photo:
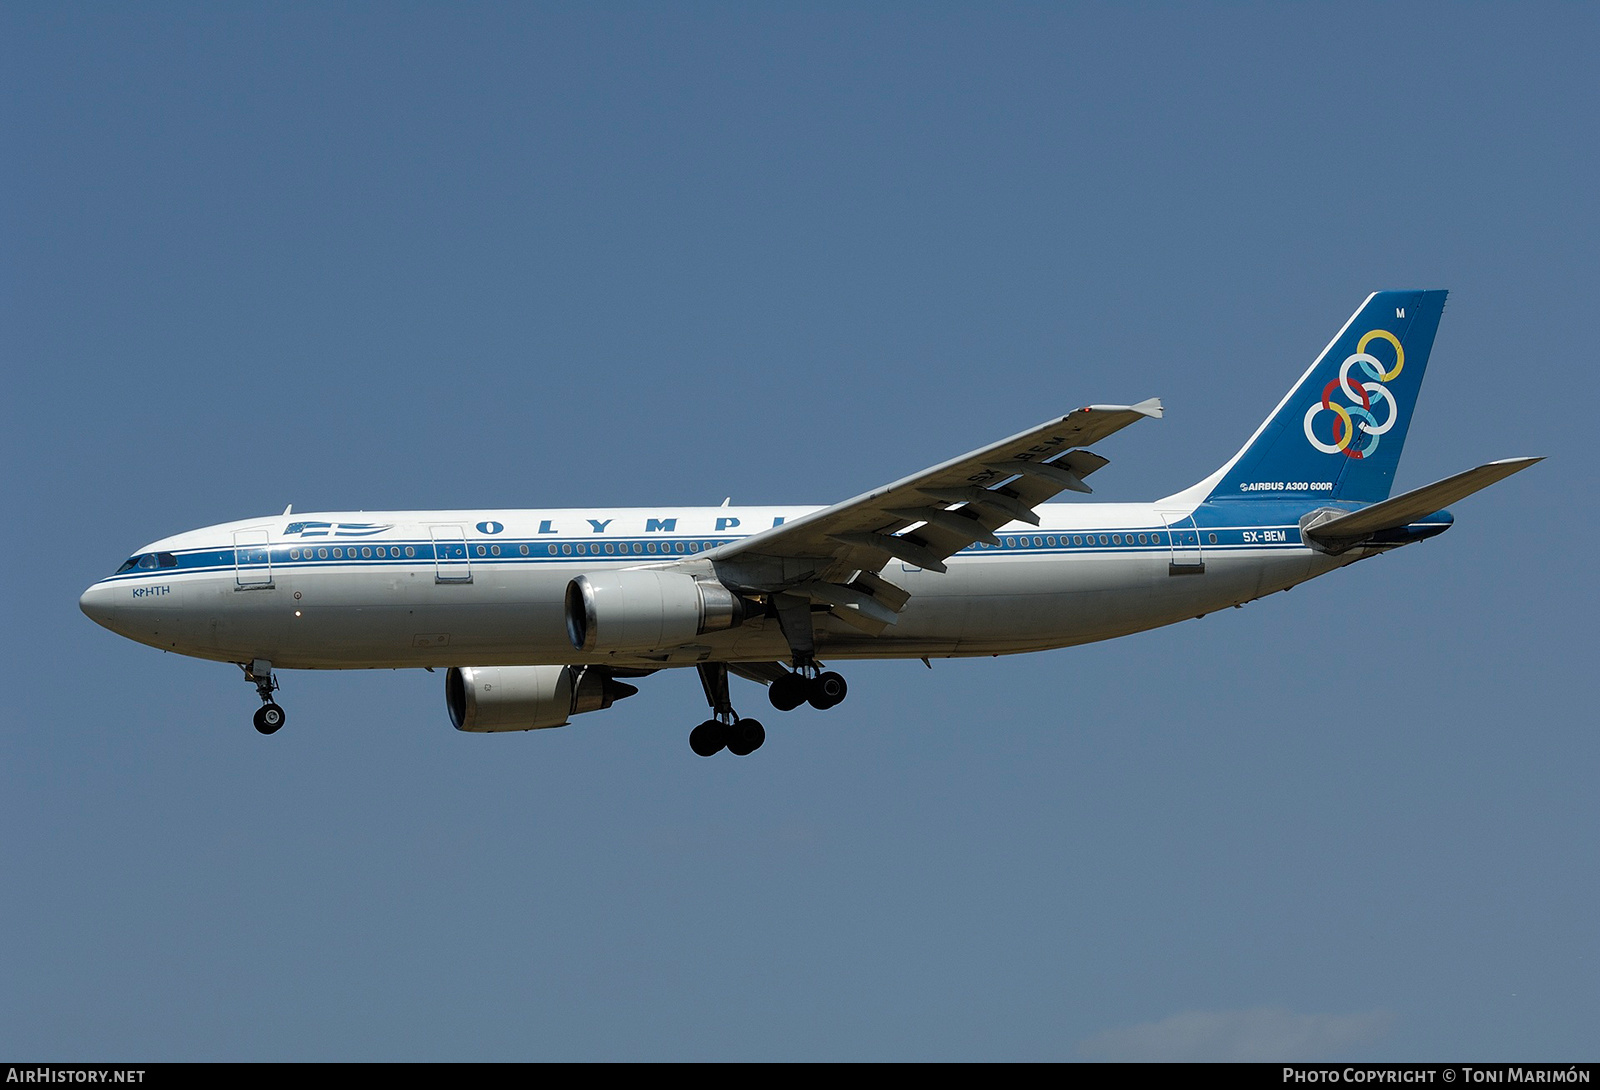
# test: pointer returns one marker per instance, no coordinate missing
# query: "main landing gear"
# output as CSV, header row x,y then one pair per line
x,y
724,730
742,737
269,717
807,683
822,690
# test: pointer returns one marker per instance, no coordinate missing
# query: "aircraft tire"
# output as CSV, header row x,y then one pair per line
x,y
746,737
269,717
708,738
827,690
788,692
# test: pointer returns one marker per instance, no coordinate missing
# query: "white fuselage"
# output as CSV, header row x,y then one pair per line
x,y
351,590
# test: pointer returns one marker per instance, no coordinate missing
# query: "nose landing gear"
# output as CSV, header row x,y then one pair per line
x,y
269,717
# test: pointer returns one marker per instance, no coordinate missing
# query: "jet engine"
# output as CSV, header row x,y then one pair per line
x,y
497,698
644,610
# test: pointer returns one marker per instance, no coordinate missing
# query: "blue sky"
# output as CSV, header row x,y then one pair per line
x,y
379,256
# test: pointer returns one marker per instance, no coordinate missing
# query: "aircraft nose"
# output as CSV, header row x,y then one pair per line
x,y
96,605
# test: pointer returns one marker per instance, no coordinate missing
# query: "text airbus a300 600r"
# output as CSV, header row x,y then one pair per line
x,y
541,615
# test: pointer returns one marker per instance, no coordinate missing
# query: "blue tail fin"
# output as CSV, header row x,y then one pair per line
x,y
1338,433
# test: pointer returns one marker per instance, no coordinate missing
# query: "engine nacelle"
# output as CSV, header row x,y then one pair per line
x,y
646,610
496,698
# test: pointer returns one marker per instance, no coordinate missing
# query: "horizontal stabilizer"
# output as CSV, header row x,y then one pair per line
x,y
1405,509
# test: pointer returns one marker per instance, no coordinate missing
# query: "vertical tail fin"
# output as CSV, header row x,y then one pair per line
x,y
1338,433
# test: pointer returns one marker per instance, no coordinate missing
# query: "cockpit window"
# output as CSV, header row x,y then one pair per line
x,y
148,562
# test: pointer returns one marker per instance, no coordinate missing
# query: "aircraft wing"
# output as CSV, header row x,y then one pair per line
x,y
922,519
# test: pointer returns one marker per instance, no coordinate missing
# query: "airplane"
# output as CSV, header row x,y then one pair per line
x,y
538,616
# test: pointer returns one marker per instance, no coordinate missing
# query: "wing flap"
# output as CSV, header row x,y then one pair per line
x,y
852,605
763,673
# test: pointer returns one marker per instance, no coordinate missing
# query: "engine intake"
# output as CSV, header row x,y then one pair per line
x,y
644,610
484,699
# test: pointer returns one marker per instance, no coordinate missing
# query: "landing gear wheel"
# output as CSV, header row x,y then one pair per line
x,y
745,737
788,692
826,690
269,717
708,738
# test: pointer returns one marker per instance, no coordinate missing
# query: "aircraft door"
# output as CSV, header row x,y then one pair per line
x,y
1184,537
450,555
252,559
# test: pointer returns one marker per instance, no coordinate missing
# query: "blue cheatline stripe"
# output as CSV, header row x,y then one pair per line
x,y
539,550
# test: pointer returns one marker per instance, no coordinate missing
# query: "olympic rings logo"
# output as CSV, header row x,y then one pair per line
x,y
1358,416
